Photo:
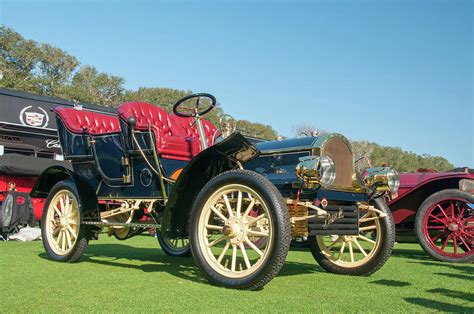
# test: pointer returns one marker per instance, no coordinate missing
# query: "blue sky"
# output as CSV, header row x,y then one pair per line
x,y
398,73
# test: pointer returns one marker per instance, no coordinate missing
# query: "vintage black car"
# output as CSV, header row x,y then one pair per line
x,y
340,211
233,205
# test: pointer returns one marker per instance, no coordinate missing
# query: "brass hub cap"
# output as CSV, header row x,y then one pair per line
x,y
235,231
227,231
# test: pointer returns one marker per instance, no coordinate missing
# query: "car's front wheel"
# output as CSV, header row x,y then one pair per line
x,y
63,237
444,226
362,254
240,230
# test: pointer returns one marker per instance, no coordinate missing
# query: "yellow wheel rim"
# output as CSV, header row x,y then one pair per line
x,y
62,222
357,250
235,231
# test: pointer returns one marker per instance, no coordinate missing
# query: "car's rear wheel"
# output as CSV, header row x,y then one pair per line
x,y
444,226
179,247
232,248
64,239
362,254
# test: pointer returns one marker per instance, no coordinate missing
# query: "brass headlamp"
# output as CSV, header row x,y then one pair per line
x,y
381,179
316,170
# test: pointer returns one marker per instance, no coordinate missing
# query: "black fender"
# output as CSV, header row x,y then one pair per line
x,y
88,203
212,161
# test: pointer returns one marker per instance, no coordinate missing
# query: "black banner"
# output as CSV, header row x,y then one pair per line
x,y
26,112
26,120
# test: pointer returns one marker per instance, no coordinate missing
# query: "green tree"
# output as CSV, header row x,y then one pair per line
x,y
18,60
163,97
41,68
256,130
53,70
90,86
399,159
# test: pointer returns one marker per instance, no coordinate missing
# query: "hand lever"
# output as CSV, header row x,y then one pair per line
x,y
132,122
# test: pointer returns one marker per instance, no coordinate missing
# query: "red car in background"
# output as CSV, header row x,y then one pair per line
x,y
29,141
436,206
21,172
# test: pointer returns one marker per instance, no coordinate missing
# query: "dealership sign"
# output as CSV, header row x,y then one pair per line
x,y
34,116
24,112
27,120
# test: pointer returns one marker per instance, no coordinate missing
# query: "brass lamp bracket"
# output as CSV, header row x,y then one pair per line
x,y
372,208
319,211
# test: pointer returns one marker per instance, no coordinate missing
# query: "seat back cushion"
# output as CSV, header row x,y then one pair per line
x,y
176,137
87,122
191,130
145,114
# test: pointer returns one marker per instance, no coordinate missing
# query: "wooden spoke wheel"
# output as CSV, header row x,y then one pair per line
x,y
63,237
240,230
445,226
361,254
179,247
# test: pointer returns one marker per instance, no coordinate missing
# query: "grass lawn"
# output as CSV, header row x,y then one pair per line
x,y
136,275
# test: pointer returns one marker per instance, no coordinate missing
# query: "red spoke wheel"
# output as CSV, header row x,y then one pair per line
x,y
445,226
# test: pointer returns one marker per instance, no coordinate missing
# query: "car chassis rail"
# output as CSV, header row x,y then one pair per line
x,y
121,224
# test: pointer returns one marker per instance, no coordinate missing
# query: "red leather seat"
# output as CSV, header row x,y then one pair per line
x,y
192,132
87,122
176,137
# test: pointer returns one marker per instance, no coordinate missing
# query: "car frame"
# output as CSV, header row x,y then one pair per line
x,y
132,174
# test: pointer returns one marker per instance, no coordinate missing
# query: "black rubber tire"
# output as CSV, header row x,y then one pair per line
x,y
82,241
171,250
279,217
379,258
433,199
299,242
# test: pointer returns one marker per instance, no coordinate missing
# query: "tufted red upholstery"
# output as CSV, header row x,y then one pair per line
x,y
192,132
81,121
176,137
145,114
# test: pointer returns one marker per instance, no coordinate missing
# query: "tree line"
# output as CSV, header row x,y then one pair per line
x,y
41,68
399,159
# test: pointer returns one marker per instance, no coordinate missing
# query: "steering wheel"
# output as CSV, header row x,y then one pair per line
x,y
194,105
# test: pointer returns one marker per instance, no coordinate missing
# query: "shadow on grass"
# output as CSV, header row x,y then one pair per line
x,y
410,253
462,268
440,306
155,260
464,296
391,283
457,276
294,268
